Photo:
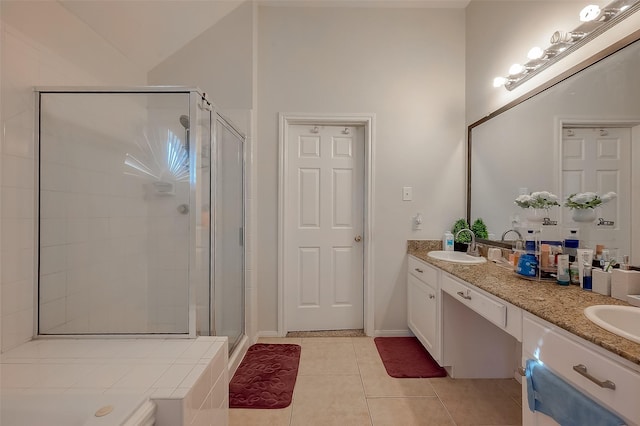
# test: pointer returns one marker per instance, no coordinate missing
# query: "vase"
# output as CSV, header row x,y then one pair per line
x,y
460,247
535,215
583,215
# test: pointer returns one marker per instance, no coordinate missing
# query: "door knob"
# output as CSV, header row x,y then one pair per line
x,y
358,238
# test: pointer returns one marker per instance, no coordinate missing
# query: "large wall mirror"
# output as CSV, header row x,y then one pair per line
x,y
581,134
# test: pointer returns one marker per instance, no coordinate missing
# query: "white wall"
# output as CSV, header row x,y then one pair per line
x,y
35,52
218,61
407,67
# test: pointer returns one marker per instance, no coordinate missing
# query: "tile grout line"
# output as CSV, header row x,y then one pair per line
x,y
443,404
364,390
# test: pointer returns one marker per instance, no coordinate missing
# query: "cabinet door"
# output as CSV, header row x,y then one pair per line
x,y
423,318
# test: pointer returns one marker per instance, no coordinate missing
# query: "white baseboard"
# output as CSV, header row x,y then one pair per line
x,y
393,333
267,334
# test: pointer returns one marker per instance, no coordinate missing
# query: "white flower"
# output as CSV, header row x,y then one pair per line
x,y
608,196
584,197
588,200
537,200
544,195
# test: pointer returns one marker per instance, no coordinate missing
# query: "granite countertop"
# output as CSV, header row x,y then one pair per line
x,y
559,305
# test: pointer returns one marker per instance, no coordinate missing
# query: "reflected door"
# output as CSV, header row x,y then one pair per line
x,y
599,160
228,234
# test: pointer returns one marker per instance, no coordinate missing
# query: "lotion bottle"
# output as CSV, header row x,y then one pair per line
x,y
447,241
563,269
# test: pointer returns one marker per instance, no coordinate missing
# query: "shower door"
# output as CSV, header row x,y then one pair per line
x,y
228,222
116,212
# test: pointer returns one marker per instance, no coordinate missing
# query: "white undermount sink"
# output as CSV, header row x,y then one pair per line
x,y
456,257
621,320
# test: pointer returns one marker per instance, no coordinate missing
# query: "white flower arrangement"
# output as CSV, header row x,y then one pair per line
x,y
537,200
588,200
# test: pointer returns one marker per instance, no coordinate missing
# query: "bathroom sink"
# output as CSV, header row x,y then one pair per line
x,y
456,257
621,320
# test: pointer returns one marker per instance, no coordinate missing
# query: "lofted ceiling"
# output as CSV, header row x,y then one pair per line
x,y
149,31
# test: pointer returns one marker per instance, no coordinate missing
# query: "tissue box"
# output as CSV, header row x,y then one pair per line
x,y
601,282
634,299
624,283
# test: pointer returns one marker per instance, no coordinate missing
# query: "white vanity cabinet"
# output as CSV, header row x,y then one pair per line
x,y
423,301
587,367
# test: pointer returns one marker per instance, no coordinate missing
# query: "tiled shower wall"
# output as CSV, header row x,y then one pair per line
x,y
25,64
94,231
115,249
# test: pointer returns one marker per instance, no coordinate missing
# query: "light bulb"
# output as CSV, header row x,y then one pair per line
x,y
589,13
516,69
499,81
535,53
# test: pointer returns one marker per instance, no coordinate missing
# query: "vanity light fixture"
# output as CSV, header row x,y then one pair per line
x,y
595,21
535,53
589,13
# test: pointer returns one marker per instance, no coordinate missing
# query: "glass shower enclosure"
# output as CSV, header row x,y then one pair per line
x,y
140,214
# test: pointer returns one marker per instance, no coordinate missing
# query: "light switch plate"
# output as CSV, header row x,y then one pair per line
x,y
407,193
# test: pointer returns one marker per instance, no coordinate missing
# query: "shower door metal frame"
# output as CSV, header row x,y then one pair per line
x,y
220,119
196,96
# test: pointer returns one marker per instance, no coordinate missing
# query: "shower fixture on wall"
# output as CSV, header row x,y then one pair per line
x,y
184,120
594,21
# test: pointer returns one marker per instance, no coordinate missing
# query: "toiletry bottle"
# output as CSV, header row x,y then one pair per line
x,y
544,256
528,265
586,276
447,241
573,273
563,269
604,258
571,243
530,242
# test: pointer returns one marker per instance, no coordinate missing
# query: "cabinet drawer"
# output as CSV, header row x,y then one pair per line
x,y
490,309
422,271
561,354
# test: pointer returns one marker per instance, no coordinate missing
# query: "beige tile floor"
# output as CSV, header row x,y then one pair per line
x,y
342,381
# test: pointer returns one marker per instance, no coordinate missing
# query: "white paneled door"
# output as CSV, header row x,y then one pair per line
x,y
599,160
323,265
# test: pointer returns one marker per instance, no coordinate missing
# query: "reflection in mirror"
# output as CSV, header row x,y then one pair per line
x,y
581,135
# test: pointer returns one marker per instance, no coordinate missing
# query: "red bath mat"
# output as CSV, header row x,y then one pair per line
x,y
266,376
405,357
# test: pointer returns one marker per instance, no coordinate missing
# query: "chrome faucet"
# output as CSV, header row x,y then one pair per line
x,y
472,250
504,234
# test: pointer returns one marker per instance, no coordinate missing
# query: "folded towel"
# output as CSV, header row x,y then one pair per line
x,y
549,394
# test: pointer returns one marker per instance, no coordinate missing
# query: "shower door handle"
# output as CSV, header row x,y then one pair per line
x,y
241,236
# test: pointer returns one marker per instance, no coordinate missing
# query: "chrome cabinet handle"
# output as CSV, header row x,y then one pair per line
x,y
582,370
419,270
464,296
